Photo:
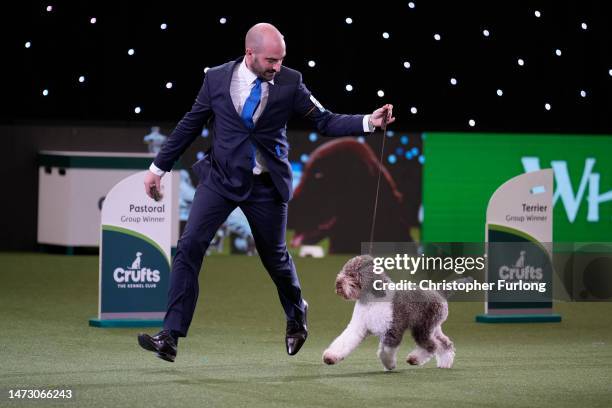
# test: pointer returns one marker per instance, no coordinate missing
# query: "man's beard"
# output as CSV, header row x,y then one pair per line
x,y
262,73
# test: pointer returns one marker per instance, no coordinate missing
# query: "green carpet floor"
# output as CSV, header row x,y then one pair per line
x,y
234,355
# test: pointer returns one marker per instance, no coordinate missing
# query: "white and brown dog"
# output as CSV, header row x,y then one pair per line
x,y
387,315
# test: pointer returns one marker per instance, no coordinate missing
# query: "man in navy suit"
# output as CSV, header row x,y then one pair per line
x,y
246,103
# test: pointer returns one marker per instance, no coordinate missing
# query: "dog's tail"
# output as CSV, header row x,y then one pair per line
x,y
448,293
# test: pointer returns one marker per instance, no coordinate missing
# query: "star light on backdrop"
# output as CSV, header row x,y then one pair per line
x,y
349,62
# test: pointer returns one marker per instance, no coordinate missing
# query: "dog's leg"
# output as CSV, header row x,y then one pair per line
x,y
388,346
387,355
348,341
344,344
426,345
445,352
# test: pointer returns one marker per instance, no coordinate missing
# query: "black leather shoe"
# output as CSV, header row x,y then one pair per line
x,y
296,333
162,344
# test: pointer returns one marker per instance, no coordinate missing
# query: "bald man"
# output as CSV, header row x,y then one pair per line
x,y
246,103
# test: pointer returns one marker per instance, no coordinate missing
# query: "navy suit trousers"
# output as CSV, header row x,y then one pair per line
x,y
267,215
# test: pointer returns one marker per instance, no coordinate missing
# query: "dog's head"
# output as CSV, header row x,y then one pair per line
x,y
357,277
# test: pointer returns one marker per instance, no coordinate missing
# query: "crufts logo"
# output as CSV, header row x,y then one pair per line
x,y
520,270
136,274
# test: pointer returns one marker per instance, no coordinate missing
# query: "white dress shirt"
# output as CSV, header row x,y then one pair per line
x,y
243,80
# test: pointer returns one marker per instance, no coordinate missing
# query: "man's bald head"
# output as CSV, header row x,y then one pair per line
x,y
263,35
264,50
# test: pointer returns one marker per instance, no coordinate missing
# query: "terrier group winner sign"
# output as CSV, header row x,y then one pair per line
x,y
519,237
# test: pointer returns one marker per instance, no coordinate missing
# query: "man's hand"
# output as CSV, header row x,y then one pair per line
x,y
152,184
379,114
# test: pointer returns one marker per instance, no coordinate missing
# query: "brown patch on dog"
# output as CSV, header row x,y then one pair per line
x,y
444,341
422,335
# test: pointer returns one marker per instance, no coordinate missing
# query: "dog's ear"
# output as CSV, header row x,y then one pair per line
x,y
379,293
368,287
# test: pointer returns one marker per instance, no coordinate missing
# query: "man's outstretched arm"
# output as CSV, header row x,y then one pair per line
x,y
334,124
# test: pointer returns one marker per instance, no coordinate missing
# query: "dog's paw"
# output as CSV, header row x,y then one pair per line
x,y
446,360
418,357
388,360
330,358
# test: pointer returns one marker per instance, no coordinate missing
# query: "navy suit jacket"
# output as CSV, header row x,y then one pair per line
x,y
227,167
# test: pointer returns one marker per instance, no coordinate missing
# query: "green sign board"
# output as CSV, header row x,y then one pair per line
x,y
462,171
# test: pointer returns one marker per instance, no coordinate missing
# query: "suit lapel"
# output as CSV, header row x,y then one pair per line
x,y
272,96
228,94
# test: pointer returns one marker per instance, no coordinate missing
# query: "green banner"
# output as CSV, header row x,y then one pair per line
x,y
462,171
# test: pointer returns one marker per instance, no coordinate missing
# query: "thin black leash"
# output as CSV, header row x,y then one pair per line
x,y
382,152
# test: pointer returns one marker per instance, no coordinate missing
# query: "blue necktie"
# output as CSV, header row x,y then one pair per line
x,y
250,106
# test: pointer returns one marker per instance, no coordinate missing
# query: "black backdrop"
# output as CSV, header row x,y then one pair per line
x,y
64,45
